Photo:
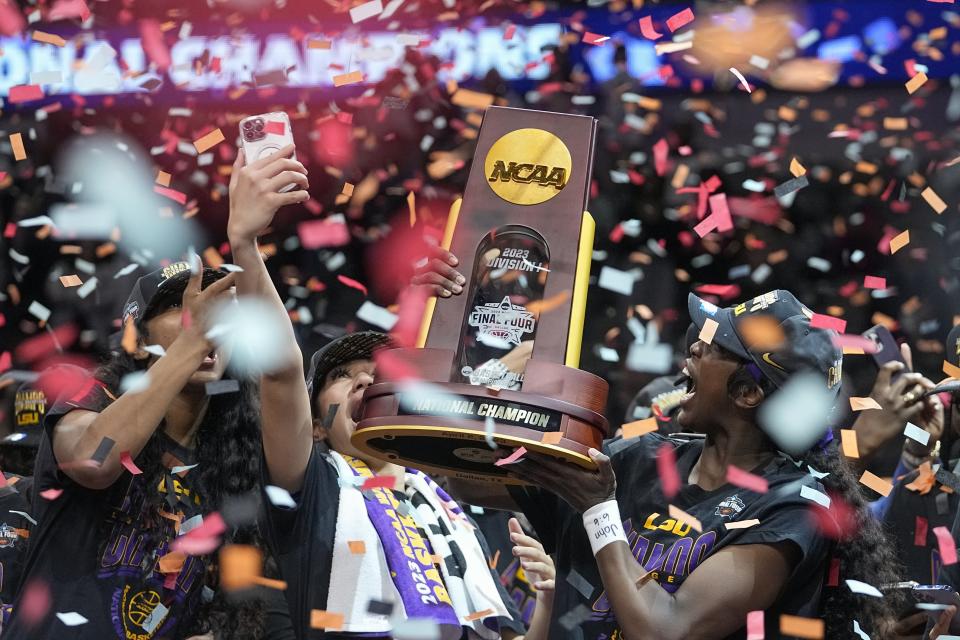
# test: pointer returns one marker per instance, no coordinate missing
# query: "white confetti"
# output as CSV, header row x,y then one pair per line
x,y
743,81
860,632
135,382
38,221
914,432
366,10
863,588
488,430
155,349
182,468
616,280
87,288
71,618
796,431
377,315
46,77
153,620
280,497
39,311
25,515
812,494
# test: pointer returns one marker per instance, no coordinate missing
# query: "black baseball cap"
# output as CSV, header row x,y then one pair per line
x,y
353,346
953,346
29,408
804,348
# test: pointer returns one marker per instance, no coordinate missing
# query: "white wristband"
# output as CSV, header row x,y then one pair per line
x,y
603,524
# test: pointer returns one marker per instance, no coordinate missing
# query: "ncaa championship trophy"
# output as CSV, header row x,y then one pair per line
x,y
498,363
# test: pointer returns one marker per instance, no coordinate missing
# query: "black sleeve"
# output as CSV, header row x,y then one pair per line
x,y
277,623
287,527
89,395
515,621
545,511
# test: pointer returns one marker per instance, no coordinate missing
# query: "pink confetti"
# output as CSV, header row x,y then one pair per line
x,y
129,464
948,548
594,38
51,494
874,282
755,625
173,194
722,290
513,457
151,39
667,470
277,127
746,480
660,151
508,34
5,361
315,234
11,19
66,9
195,545
350,282
721,212
822,321
854,341
379,482
920,532
34,602
25,93
647,29
681,19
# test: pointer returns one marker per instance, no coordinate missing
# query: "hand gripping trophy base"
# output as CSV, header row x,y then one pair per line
x,y
446,432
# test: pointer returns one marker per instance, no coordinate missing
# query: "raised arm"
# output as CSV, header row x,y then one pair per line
x,y
135,415
285,403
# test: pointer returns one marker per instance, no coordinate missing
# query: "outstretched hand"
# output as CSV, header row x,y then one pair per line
x,y
254,191
539,567
437,274
580,488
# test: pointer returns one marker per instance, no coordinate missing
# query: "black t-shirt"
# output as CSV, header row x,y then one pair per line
x,y
301,540
673,549
14,533
98,550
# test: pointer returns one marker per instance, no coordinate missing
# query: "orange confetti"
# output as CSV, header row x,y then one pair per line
x,y
848,441
925,479
899,241
479,614
412,206
878,484
862,404
129,339
951,370
679,514
16,141
895,124
809,628
209,141
797,169
552,437
326,620
916,82
240,566
471,99
357,547
761,332
347,78
71,281
935,202
172,562
49,38
639,427
709,330
163,178
212,257
319,44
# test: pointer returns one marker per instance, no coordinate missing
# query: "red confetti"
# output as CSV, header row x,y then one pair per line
x,y
173,194
11,229
411,304
738,477
874,282
721,213
5,361
315,234
821,321
513,457
723,290
350,282
948,548
681,19
838,522
508,34
379,482
34,602
920,532
667,470
660,151
51,494
278,127
25,93
594,38
129,464
647,30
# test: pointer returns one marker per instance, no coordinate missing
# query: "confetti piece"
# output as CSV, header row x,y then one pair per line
x,y
34,602
49,38
319,44
926,479
279,497
412,207
755,625
809,493
594,38
679,514
878,484
809,628
899,241
366,10
935,202
743,81
746,480
951,370
862,404
71,281
552,437
163,179
790,186
25,93
103,450
896,124
472,99
874,282
379,482
916,82
129,464
207,142
509,32
350,282
796,168
741,524
25,515
863,588
277,127
344,79
660,151
709,330
821,321
920,532
172,562
914,432
220,387
357,547
647,30
51,494
680,19
512,458
848,440
638,428
16,141
948,548
667,470
672,47
326,620
477,615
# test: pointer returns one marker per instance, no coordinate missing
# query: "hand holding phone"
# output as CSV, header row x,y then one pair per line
x,y
264,135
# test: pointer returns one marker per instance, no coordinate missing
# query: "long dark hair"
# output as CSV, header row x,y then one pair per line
x,y
861,546
228,452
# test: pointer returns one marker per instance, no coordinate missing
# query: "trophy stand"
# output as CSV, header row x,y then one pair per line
x,y
497,365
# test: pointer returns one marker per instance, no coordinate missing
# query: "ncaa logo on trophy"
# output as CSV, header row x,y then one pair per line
x,y
500,361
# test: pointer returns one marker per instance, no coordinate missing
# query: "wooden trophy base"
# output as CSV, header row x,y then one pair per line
x,y
443,428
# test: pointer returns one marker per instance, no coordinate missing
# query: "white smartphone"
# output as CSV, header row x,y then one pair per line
x,y
264,135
